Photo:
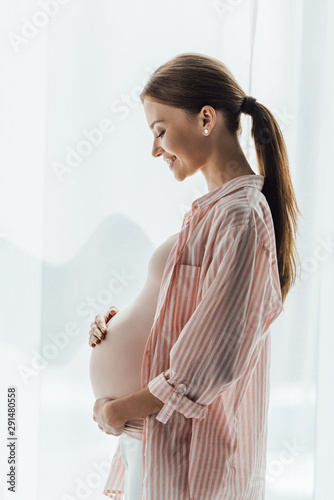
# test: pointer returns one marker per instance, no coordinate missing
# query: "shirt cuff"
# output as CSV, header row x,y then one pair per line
x,y
175,399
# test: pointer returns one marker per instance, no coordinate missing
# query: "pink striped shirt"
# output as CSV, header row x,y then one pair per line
x,y
207,357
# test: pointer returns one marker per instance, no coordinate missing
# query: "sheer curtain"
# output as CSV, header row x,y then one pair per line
x,y
84,204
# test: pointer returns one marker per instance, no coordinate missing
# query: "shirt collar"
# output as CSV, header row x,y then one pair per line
x,y
252,180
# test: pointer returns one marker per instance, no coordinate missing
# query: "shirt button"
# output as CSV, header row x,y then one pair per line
x,y
181,389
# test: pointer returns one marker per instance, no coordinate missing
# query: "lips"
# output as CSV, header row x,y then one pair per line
x,y
170,159
171,164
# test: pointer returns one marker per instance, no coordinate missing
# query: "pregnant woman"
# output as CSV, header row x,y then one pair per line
x,y
198,336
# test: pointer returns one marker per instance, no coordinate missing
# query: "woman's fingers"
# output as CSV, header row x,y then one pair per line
x,y
113,310
92,341
96,331
109,314
100,322
98,328
95,335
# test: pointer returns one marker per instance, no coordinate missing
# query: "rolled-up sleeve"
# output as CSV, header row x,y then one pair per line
x,y
175,398
225,331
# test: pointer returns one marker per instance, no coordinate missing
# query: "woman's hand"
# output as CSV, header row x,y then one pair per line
x,y
98,328
105,417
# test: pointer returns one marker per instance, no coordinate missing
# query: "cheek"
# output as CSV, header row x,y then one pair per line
x,y
180,144
172,143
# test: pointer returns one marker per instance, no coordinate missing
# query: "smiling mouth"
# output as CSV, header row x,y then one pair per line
x,y
170,161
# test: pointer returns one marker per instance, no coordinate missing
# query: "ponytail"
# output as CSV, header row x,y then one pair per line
x,y
274,166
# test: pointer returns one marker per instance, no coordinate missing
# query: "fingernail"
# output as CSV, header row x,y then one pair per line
x,y
97,341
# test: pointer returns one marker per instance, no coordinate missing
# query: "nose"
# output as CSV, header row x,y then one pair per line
x,y
157,151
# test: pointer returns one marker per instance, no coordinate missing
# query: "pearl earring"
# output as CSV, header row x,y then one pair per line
x,y
206,131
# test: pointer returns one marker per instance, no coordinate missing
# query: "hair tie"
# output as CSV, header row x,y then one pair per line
x,y
247,105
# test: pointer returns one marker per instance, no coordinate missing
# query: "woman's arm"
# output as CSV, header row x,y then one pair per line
x,y
137,405
112,415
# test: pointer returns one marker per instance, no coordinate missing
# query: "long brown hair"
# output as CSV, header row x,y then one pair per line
x,y
190,81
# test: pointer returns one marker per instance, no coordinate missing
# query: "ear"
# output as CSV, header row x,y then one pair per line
x,y
208,117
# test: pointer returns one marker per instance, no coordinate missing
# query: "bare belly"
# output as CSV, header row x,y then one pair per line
x,y
115,363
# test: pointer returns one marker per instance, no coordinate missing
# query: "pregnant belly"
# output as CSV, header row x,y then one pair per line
x,y
115,363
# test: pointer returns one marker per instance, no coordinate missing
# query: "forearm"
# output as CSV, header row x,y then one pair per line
x,y
137,405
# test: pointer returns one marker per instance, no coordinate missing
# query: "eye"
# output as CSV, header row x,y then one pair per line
x,y
161,135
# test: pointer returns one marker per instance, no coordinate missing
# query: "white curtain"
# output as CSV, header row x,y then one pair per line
x,y
84,204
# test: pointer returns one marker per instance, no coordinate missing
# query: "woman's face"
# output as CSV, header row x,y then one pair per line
x,y
177,135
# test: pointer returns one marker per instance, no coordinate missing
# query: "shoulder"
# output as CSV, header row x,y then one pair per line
x,y
245,209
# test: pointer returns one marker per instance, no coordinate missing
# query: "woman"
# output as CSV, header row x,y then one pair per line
x,y
205,368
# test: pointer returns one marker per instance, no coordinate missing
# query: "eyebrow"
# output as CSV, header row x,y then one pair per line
x,y
156,121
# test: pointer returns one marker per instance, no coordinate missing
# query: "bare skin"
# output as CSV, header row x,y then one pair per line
x,y
98,328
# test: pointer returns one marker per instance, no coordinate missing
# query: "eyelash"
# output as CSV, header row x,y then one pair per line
x,y
160,135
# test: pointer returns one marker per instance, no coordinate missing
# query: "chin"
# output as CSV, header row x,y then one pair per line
x,y
179,177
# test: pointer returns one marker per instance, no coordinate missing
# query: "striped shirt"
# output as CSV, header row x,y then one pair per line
x,y
207,357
